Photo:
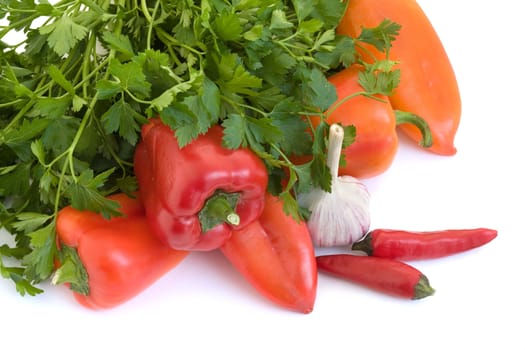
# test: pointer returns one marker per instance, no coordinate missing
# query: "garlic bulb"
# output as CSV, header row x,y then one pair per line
x,y
342,216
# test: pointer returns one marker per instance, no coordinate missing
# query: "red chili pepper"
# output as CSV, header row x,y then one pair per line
x,y
121,255
412,245
275,254
196,195
428,86
385,275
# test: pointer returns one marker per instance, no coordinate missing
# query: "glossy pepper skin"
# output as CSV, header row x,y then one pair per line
x,y
121,255
417,245
388,276
428,86
376,141
175,183
275,254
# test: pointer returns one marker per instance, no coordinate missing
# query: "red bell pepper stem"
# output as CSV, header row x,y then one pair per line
x,y
385,275
218,209
412,245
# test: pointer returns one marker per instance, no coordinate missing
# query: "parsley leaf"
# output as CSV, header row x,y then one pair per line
x,y
122,117
64,34
84,194
83,77
130,77
227,26
71,271
16,274
381,36
235,131
380,78
120,43
40,261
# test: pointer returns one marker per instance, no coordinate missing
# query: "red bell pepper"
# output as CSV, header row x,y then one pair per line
x,y
275,254
179,185
121,255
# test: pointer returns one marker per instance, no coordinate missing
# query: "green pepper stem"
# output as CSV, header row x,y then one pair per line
x,y
420,123
218,209
423,288
364,245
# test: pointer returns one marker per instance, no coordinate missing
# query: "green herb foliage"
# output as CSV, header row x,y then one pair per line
x,y
87,74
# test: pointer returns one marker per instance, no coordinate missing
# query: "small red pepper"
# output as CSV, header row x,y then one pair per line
x,y
196,195
275,254
385,275
121,255
412,245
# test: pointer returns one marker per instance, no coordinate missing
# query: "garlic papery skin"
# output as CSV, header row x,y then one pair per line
x,y
342,216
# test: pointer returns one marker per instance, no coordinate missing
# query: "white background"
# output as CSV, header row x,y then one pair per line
x,y
479,301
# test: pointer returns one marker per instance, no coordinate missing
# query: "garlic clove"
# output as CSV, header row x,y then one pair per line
x,y
342,216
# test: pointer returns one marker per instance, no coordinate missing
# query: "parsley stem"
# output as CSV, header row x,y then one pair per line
x,y
58,193
86,64
151,23
287,161
91,73
290,37
356,94
122,163
168,39
308,59
239,106
46,84
21,113
22,22
135,98
369,53
81,127
145,11
11,103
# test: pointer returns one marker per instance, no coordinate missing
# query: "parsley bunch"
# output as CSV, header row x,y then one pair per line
x,y
86,74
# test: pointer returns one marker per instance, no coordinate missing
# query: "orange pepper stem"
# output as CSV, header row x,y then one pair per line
x,y
218,209
403,117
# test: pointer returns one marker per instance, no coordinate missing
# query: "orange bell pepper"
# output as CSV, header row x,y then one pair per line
x,y
428,86
121,256
275,254
376,141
